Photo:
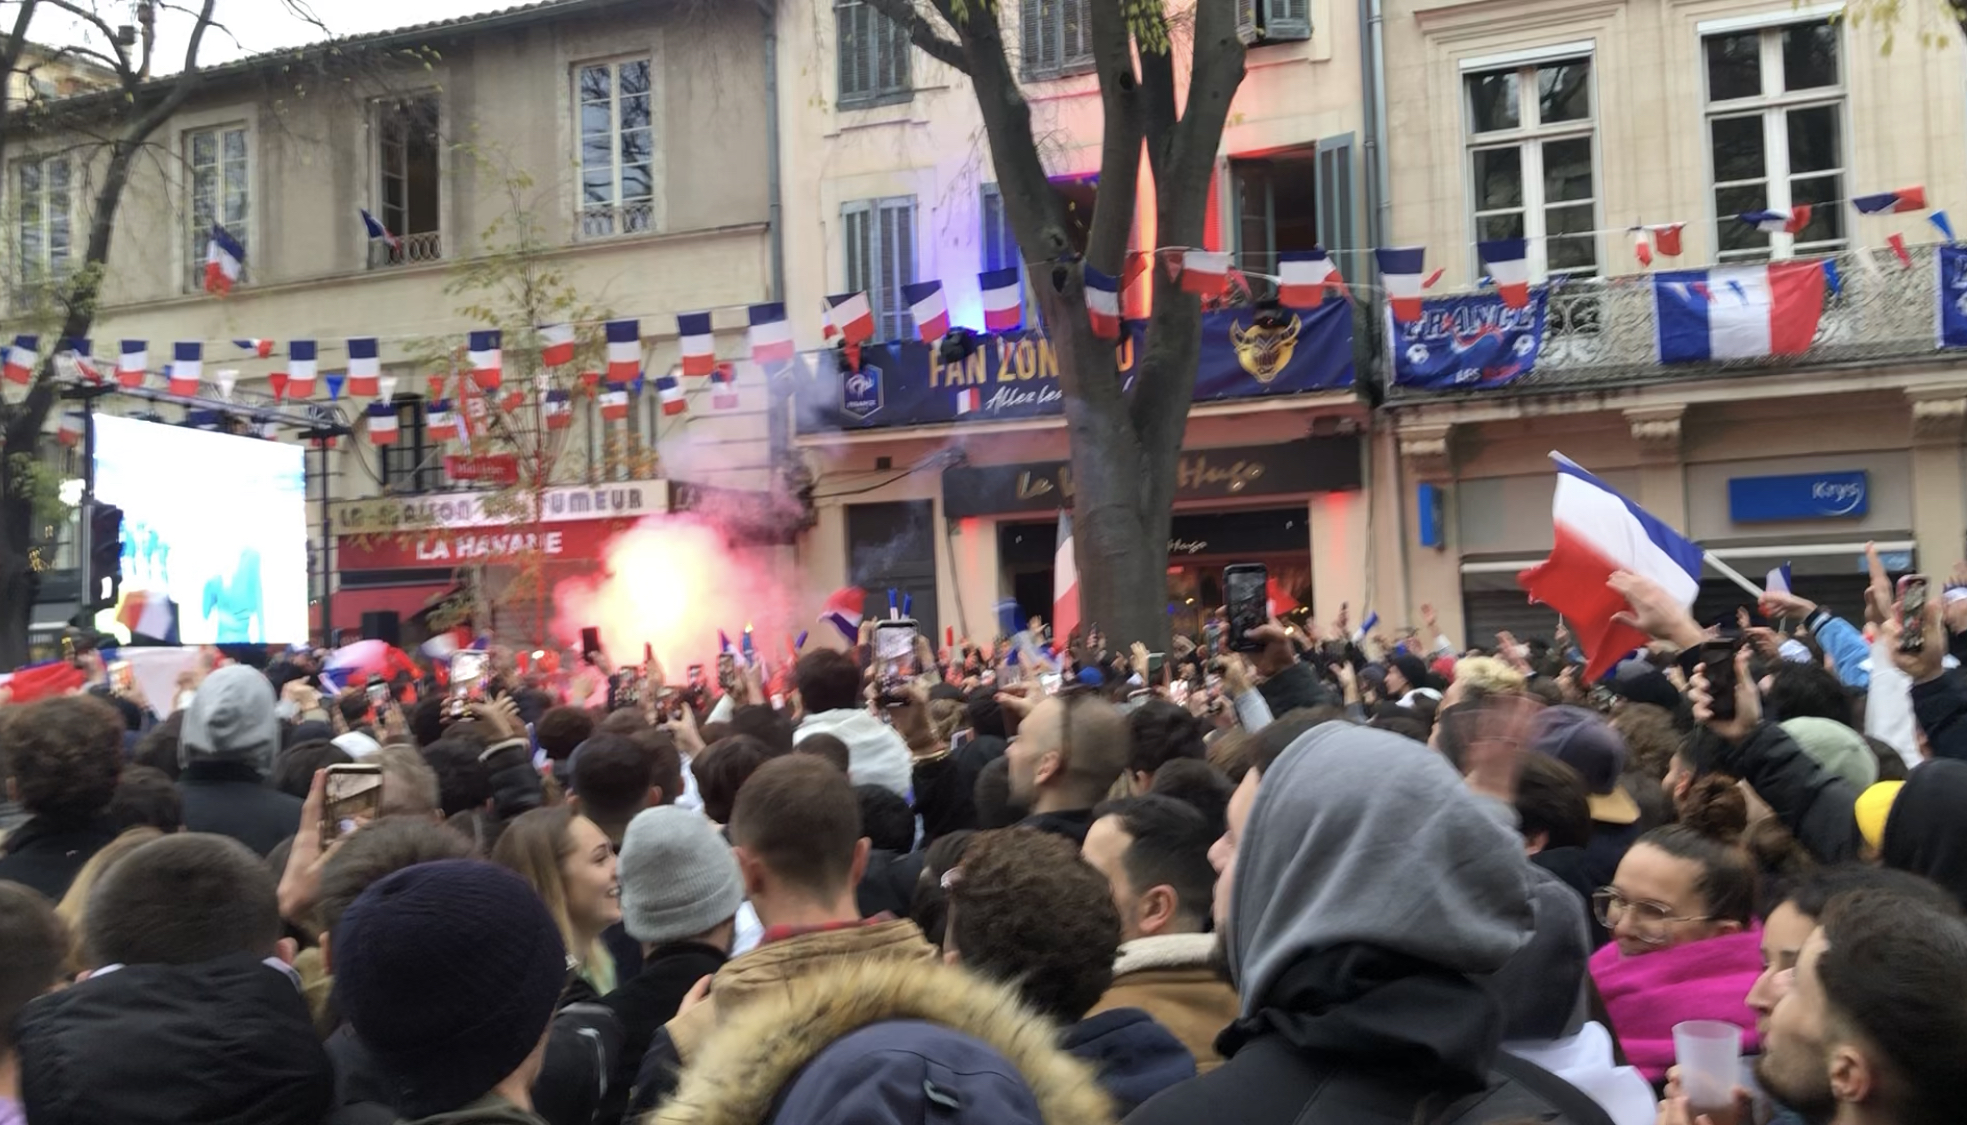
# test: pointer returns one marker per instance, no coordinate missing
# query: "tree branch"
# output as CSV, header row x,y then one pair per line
x,y
122,64
1158,103
1215,72
1120,144
943,50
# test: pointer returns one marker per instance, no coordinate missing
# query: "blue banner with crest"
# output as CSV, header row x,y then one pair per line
x,y
1016,375
1953,296
1469,343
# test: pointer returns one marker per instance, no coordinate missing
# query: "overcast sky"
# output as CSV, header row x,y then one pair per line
x,y
255,25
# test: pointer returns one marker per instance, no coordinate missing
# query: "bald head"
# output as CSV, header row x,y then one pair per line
x,y
1068,753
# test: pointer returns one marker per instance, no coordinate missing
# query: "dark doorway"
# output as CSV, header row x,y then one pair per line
x,y
893,547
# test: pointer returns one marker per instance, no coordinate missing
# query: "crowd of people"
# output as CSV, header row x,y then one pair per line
x,y
1318,878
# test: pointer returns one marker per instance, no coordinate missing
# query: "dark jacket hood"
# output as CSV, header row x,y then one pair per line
x,y
1136,1057
1927,831
223,1042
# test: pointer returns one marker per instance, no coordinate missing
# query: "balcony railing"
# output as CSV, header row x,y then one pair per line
x,y
1604,333
410,249
619,219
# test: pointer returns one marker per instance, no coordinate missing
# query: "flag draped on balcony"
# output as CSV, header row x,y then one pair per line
x,y
1739,312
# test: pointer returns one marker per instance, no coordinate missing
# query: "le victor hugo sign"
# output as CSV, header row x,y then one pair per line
x,y
1313,464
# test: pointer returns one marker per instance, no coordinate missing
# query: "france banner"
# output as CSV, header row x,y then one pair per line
x,y
1952,263
1468,342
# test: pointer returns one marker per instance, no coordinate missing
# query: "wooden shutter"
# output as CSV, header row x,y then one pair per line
x,y
1286,19
1246,20
1337,229
1031,28
895,55
897,263
1075,33
850,22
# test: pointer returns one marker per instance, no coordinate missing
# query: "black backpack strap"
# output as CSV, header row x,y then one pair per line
x,y
1577,1107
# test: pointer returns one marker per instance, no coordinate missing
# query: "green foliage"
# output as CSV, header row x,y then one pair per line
x,y
39,483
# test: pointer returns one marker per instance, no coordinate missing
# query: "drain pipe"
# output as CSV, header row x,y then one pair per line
x,y
1372,62
778,416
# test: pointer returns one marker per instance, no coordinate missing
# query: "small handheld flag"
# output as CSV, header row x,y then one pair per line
x,y
1366,627
1778,580
843,611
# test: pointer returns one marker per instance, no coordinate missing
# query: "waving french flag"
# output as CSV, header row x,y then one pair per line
x,y
1507,260
1303,276
1400,273
556,344
377,231
1598,532
1003,299
364,366
1738,312
1103,304
1904,199
849,317
1778,222
624,350
843,611
132,361
698,346
929,308
260,348
225,260
301,368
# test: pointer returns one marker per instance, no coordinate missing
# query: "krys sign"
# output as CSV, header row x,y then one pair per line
x,y
1800,496
1317,464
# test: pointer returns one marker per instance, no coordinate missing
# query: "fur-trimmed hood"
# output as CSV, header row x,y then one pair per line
x,y
756,1052
1165,951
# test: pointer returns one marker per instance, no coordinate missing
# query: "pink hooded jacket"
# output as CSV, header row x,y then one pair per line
x,y
1702,980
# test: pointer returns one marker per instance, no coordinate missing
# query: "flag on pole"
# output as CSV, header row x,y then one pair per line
x,y
1507,262
300,368
1205,273
669,392
442,421
187,367
382,424
486,358
1102,304
843,611
556,344
1895,202
1303,276
22,358
1598,532
770,334
69,431
378,231
698,345
132,361
1738,312
1778,222
1400,273
929,309
614,404
624,350
723,387
1366,627
1065,582
1003,299
260,348
225,260
364,366
1778,580
559,410
849,317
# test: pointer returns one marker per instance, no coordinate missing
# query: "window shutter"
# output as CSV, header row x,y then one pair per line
x,y
1286,20
1031,22
1076,33
1335,209
1246,20
852,50
897,79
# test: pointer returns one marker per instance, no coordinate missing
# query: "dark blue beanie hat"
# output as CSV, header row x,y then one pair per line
x,y
449,973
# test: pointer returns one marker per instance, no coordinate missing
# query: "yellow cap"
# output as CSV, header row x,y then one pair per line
x,y
1873,808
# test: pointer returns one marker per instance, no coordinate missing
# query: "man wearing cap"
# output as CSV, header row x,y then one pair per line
x,y
1589,745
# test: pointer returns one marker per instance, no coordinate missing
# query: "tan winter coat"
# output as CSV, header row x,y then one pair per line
x,y
754,1053
1171,977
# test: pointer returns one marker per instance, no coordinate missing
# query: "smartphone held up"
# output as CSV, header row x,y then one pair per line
x,y
353,796
1246,596
1912,613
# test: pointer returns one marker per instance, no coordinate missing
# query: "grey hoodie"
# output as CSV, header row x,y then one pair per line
x,y
1362,836
876,755
231,719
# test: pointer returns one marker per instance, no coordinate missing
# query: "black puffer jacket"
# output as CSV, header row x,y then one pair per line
x,y
1812,802
224,1042
232,799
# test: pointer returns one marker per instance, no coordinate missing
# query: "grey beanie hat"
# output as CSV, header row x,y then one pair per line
x,y
231,719
678,876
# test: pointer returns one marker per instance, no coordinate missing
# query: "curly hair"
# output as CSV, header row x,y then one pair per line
x,y
65,755
1651,737
1025,909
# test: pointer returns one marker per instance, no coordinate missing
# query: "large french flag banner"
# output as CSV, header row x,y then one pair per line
x,y
1738,312
1599,532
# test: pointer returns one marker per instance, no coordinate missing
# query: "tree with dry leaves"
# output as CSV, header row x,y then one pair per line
x,y
1125,443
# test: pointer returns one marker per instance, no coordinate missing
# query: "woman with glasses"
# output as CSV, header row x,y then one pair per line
x,y
1680,912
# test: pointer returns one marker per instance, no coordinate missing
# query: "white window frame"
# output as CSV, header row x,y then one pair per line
x,y
198,232
420,246
1773,109
617,217
1529,138
884,293
45,266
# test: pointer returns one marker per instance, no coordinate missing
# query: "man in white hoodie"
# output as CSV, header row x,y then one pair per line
x,y
831,702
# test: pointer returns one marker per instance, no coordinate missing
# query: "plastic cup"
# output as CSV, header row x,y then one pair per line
x,y
1710,1055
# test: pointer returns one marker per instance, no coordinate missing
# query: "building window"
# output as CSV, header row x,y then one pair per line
x,y
1276,199
1530,162
219,177
617,157
409,161
1000,249
42,217
1272,21
880,237
1057,37
403,464
873,53
1775,106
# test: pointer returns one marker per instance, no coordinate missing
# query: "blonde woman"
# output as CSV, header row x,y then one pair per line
x,y
569,863
74,905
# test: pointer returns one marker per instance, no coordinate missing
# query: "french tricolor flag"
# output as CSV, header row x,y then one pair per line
x,y
382,423
559,410
1904,199
1778,222
1003,299
1598,532
377,231
849,317
670,393
699,347
770,334
1507,260
69,430
187,367
614,404
132,361
487,359
225,260
969,400
1205,272
301,367
843,611
624,351
260,348
1303,276
929,308
1738,312
1400,274
556,344
22,359
1103,304
442,422
364,366
724,387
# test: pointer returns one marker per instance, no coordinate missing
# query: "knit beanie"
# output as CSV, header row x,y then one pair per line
x,y
1836,748
449,973
678,876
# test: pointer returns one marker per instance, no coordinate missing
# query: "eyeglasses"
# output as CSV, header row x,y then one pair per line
x,y
1651,921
